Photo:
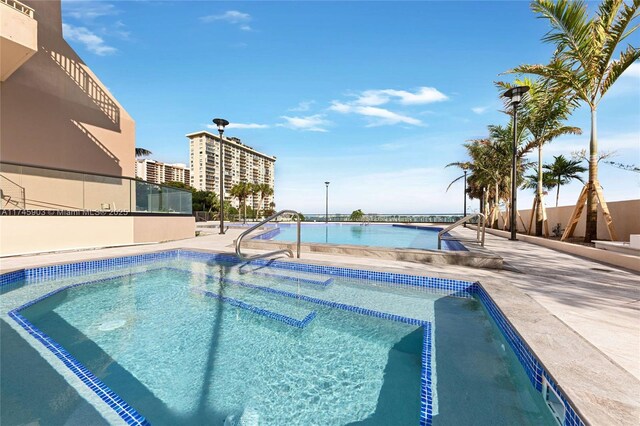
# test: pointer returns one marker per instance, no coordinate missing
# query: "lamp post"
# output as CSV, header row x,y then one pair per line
x,y
326,211
464,212
515,95
221,123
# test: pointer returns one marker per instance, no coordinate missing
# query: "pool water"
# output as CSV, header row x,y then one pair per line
x,y
190,342
392,236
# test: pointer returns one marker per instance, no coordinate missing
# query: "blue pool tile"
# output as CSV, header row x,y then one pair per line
x,y
457,288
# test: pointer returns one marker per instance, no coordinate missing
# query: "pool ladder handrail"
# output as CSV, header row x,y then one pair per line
x,y
271,253
481,225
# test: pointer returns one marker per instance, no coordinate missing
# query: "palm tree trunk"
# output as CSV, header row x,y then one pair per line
x,y
591,230
558,191
260,205
244,210
539,216
496,203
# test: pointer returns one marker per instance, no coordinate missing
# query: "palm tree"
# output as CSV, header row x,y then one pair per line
x,y
532,182
242,191
265,190
563,171
490,167
583,64
543,113
141,152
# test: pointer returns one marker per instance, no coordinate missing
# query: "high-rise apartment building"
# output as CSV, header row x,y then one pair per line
x,y
157,172
241,164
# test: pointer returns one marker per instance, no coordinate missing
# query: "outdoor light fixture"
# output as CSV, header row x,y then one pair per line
x,y
464,212
515,96
221,123
326,211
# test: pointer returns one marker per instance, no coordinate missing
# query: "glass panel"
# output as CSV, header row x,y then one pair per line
x,y
36,188
106,194
154,198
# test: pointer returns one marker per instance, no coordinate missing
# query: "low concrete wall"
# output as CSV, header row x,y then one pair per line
x,y
464,258
613,258
625,216
163,228
35,234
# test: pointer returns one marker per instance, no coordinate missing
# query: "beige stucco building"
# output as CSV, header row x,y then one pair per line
x,y
67,148
241,164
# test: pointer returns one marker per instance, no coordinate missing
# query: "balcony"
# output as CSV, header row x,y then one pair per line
x,y
18,36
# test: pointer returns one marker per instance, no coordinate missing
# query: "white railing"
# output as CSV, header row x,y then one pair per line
x,y
20,7
481,226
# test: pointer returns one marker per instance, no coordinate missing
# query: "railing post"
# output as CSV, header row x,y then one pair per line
x,y
298,245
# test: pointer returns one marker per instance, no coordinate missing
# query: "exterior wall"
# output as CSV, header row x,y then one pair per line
x,y
33,234
57,113
625,214
18,37
59,190
241,164
163,228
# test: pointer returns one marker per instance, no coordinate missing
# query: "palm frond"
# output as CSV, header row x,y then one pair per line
x,y
616,27
570,27
141,152
453,181
618,67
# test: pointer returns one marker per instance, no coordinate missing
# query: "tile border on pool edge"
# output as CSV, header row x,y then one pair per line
x,y
113,400
259,311
528,360
388,277
322,302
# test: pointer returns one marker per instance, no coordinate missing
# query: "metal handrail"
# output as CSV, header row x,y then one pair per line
x,y
271,253
464,220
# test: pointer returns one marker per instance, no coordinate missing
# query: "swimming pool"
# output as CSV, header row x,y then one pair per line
x,y
185,337
392,236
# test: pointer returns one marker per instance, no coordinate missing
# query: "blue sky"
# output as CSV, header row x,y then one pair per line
x,y
375,97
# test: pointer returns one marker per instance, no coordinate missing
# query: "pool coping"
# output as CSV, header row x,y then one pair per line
x,y
476,257
586,375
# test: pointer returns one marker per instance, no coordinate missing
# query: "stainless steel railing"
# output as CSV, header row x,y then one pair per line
x,y
271,253
481,224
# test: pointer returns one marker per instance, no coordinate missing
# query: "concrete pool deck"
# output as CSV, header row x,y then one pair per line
x,y
582,318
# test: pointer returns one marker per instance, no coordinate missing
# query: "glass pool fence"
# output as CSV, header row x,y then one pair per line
x,y
30,190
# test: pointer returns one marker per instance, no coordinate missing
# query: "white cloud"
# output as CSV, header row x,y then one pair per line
x,y
233,17
88,10
480,109
90,40
303,106
424,95
633,70
242,126
312,123
392,146
383,116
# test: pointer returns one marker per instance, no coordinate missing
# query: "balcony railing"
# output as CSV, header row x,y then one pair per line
x,y
20,7
49,189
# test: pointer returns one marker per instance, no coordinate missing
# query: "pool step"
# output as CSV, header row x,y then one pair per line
x,y
322,283
260,311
